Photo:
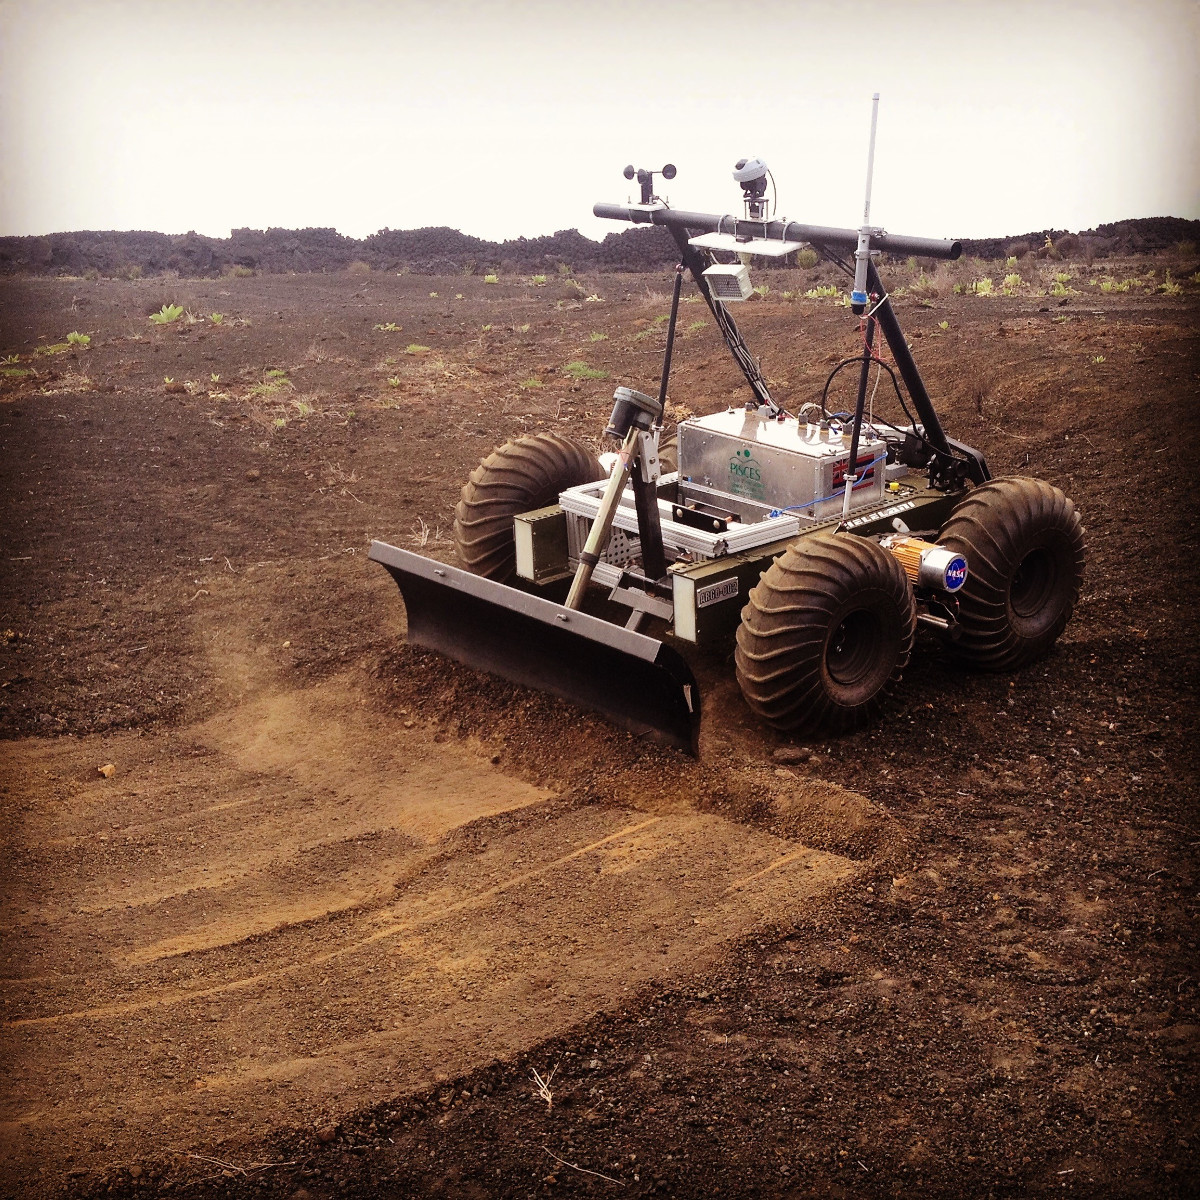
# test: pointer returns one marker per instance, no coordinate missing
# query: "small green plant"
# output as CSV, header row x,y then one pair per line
x,y
15,372
168,380
593,299
580,370
167,315
276,373
806,259
279,422
12,358
54,348
527,384
823,291
1012,282
273,382
521,328
762,291
943,325
982,287
1062,277
924,286
78,339
303,408
486,328
958,289
1098,358
214,378
597,336
394,381
390,327
1170,287
491,279
458,295
239,271
415,348
694,326
216,318
1108,286
1058,288
433,295
1011,261
537,280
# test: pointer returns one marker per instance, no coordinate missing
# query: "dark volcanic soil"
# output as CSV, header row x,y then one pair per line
x,y
341,899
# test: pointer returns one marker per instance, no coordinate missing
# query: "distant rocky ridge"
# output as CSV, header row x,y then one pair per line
x,y
439,251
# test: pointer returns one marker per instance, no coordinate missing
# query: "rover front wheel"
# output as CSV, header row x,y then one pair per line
x,y
826,634
525,473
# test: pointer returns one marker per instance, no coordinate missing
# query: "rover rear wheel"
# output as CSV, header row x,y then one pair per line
x,y
1023,542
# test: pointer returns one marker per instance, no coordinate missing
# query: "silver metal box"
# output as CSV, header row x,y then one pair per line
x,y
742,452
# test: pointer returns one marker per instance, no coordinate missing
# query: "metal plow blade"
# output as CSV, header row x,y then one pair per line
x,y
634,680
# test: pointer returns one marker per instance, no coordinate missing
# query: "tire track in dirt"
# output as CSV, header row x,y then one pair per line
x,y
302,905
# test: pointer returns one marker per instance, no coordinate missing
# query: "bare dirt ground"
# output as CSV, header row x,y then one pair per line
x,y
339,899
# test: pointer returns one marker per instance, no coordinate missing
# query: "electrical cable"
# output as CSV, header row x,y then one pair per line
x,y
847,362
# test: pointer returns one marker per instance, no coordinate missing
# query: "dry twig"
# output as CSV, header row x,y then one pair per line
x,y
543,1088
582,1170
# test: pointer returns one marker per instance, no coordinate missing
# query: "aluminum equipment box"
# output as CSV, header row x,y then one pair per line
x,y
742,452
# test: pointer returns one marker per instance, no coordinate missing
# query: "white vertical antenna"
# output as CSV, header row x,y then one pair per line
x,y
862,256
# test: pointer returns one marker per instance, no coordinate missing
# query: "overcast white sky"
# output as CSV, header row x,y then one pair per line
x,y
503,119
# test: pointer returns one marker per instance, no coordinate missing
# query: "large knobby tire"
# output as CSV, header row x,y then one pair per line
x,y
826,634
525,473
668,452
1023,543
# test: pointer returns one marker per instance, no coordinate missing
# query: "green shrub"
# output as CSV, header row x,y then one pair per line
x,y
414,348
806,258
167,315
822,292
491,279
597,336
580,370
216,318
78,339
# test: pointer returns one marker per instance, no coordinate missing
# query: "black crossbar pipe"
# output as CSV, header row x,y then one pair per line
x,y
780,231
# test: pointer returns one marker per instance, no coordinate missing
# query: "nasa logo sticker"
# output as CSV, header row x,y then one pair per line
x,y
956,573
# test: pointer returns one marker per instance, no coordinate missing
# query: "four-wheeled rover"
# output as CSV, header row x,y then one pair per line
x,y
823,537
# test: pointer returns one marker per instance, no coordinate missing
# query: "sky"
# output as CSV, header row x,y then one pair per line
x,y
512,119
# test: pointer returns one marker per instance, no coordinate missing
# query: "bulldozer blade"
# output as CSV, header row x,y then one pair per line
x,y
634,680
